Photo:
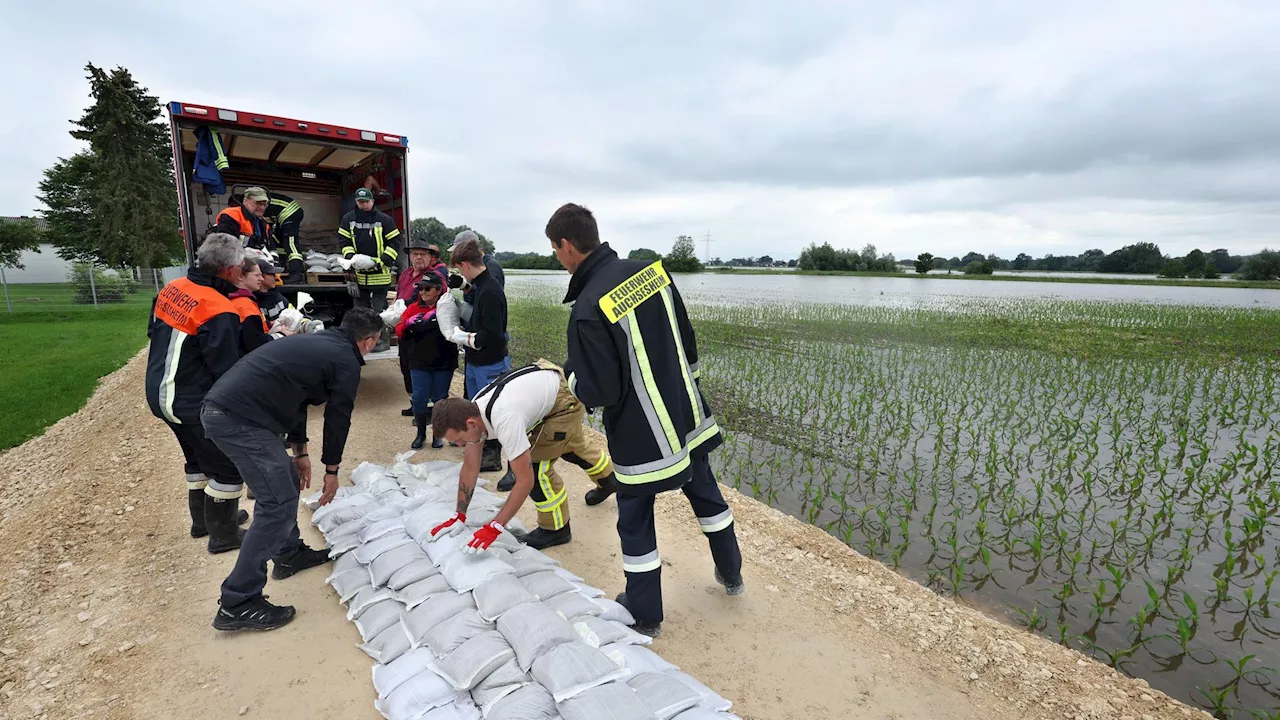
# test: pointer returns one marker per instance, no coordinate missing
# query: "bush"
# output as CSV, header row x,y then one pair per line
x,y
106,288
1175,268
924,263
978,267
1263,266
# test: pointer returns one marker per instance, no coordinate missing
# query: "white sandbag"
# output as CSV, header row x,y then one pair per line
x,y
501,682
343,564
365,599
637,659
415,696
568,575
708,698
457,711
312,501
474,660
499,594
598,633
391,316
417,593
701,713
349,583
444,547
531,702
412,573
665,696
438,608
586,590
466,571
546,584
535,555
375,528
614,610
387,645
615,701
342,510
378,617
394,560
573,668
388,677
369,552
339,546
447,636
423,520
572,605
362,262
533,629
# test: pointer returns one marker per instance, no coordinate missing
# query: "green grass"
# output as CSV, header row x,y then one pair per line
x,y
53,359
1222,283
60,297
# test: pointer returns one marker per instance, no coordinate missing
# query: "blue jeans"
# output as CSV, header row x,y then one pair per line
x,y
428,387
480,375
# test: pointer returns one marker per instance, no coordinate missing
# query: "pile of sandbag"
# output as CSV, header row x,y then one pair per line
x,y
319,262
506,634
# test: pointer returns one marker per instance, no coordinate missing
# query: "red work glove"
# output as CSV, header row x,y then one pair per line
x,y
452,526
483,538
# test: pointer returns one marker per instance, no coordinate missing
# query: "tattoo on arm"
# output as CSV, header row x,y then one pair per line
x,y
465,492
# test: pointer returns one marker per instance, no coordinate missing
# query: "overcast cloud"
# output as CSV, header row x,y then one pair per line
x,y
931,126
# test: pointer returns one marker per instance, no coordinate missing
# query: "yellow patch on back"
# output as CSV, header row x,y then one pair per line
x,y
623,299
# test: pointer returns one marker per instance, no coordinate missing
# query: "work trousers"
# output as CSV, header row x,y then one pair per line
x,y
373,297
206,466
562,435
429,387
640,560
270,473
477,376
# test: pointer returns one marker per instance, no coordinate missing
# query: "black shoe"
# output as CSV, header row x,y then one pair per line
x,y
422,422
407,412
436,441
540,539
608,486
299,560
508,481
491,456
653,629
735,587
253,614
221,518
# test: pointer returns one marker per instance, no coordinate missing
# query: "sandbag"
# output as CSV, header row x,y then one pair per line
x,y
378,617
414,696
546,584
525,553
387,645
573,668
435,610
390,562
391,316
572,605
567,575
375,528
531,702
708,698
365,598
665,696
466,572
444,547
422,521
412,573
453,712
501,682
615,701
340,545
343,564
499,594
533,629
701,713
417,593
598,633
586,591
613,610
369,552
637,659
474,660
390,676
349,583
362,262
447,636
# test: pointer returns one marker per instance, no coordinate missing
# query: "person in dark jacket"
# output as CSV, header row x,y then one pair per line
x,y
486,344
429,355
271,301
406,282
632,351
194,332
253,326
262,398
246,219
285,216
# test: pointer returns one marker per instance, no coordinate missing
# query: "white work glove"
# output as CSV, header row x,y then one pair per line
x,y
362,262
461,337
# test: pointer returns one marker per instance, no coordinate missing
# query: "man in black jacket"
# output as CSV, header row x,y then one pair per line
x,y
486,344
632,351
263,398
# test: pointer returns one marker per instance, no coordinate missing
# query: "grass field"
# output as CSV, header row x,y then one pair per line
x,y
53,352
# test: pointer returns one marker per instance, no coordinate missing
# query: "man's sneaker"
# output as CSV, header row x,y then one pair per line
x,y
737,587
652,629
299,560
253,614
541,539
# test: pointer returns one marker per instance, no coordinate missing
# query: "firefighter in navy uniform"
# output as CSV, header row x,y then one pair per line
x,y
247,220
372,233
633,353
285,215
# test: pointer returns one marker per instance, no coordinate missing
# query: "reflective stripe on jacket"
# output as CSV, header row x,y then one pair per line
x,y
371,233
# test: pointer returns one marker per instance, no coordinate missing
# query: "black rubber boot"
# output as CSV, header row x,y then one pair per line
x,y
608,486
508,481
733,587
299,560
540,539
653,630
220,518
421,422
491,456
253,614
437,442
195,506
407,412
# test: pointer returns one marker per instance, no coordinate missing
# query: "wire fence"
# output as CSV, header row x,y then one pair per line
x,y
86,288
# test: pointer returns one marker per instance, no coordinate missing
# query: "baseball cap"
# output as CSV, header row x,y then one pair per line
x,y
255,193
428,281
268,268
364,194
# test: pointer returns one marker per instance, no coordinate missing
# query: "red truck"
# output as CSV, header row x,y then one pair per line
x,y
318,165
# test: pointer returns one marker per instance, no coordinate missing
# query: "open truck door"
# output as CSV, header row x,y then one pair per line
x,y
319,166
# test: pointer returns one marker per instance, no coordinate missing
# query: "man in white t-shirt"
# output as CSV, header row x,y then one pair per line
x,y
531,412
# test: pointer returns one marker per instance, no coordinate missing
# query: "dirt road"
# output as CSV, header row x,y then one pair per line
x,y
105,601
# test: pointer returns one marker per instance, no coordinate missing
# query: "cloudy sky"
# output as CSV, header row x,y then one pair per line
x,y
945,127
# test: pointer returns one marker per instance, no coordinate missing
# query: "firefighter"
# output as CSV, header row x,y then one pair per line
x,y
538,420
271,301
247,219
374,234
253,326
194,334
633,353
285,216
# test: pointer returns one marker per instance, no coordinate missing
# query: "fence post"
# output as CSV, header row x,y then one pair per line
x,y
155,279
5,282
93,289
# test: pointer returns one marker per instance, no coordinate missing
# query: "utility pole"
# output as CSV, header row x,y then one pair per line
x,y
707,239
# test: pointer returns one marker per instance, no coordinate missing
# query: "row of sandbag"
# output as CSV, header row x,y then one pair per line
x,y
320,262
506,634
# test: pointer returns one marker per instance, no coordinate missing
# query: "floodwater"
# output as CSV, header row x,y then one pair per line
x,y
926,292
